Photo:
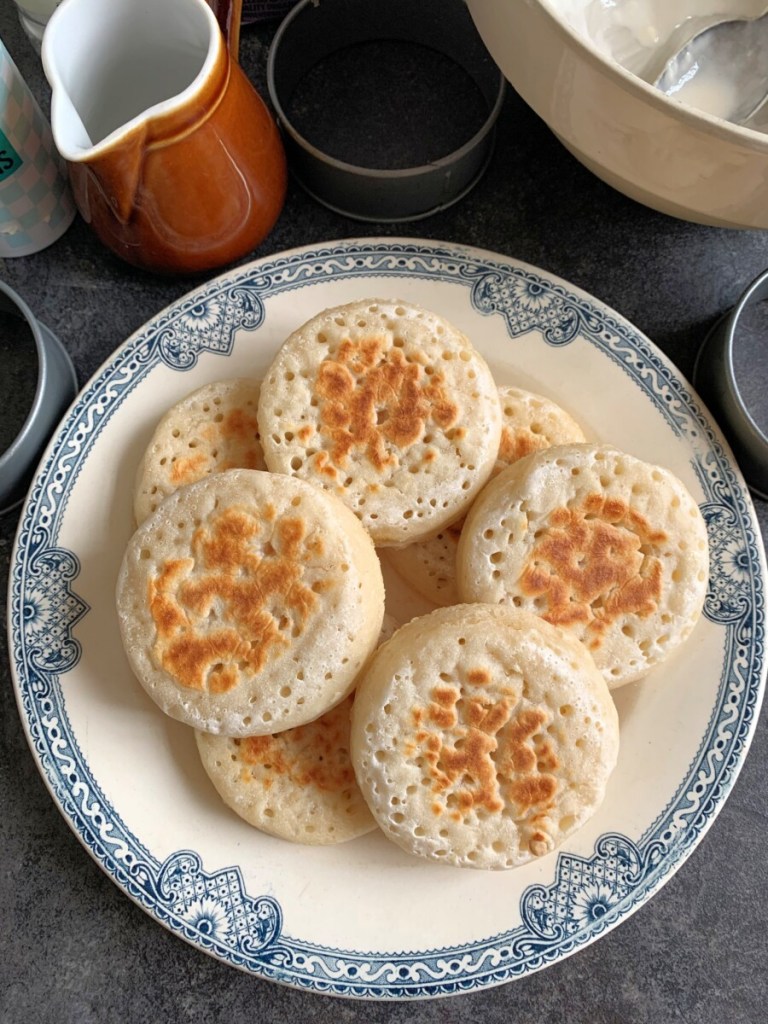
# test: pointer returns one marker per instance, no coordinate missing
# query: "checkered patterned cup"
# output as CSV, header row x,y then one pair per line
x,y
36,205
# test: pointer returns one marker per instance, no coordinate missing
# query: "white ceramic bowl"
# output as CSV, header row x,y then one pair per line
x,y
579,65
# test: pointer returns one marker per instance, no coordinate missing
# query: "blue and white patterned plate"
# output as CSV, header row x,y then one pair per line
x,y
364,919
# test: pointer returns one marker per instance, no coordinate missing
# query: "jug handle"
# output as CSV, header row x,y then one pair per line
x,y
229,14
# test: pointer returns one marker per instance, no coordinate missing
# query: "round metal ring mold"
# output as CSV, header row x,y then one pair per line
x,y
314,29
56,388
714,378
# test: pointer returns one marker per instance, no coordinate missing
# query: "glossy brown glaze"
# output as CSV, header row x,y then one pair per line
x,y
229,14
192,189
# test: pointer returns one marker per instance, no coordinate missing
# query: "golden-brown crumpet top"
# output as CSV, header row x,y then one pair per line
x,y
530,422
208,431
298,784
597,542
248,602
389,407
482,736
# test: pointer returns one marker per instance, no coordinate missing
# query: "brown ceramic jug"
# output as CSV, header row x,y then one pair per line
x,y
174,159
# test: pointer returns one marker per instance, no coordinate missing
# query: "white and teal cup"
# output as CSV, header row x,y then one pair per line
x,y
36,205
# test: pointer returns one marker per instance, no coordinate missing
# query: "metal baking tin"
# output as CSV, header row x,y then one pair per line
x,y
312,30
715,379
56,388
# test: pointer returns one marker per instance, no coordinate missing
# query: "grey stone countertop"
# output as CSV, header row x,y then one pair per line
x,y
75,950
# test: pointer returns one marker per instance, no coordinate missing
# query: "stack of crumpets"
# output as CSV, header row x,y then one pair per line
x,y
251,597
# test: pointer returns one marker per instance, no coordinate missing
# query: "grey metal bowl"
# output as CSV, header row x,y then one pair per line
x,y
714,377
56,388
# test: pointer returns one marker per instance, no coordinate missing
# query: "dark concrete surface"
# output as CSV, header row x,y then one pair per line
x,y
75,950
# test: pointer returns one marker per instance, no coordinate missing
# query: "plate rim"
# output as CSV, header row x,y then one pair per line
x,y
397,988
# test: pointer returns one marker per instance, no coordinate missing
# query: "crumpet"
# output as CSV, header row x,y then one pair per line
x,y
482,736
389,407
597,542
208,431
248,602
530,422
429,566
298,784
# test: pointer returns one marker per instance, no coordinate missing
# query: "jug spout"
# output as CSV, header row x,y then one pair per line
x,y
110,65
70,128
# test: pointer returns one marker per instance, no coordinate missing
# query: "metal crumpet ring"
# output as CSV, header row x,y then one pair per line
x,y
716,378
314,31
55,387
